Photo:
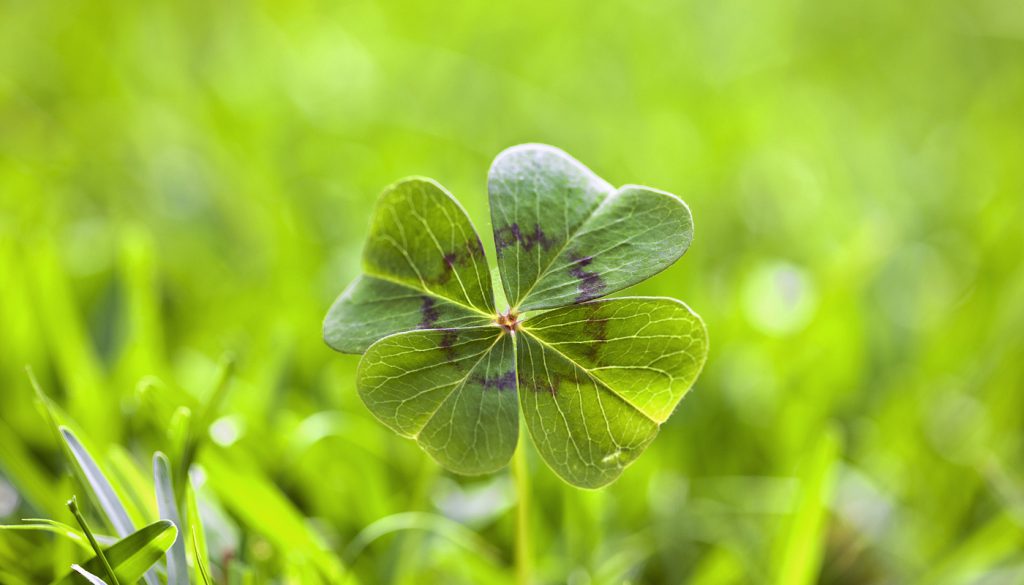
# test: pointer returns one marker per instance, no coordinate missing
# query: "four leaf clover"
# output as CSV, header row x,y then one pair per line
x,y
445,364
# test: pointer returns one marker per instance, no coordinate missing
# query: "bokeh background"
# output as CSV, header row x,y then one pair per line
x,y
181,181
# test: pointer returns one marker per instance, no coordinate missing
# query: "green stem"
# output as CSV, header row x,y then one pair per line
x,y
73,506
524,556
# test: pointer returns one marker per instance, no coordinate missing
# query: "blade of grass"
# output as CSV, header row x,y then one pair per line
x,y
133,486
178,435
131,557
109,502
803,547
207,413
24,471
51,414
68,341
200,556
257,501
100,556
195,526
53,527
105,494
93,579
433,523
177,567
143,338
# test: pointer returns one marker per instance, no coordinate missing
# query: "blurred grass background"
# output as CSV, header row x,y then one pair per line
x,y
181,180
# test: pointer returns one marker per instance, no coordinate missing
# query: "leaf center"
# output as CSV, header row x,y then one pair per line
x,y
509,321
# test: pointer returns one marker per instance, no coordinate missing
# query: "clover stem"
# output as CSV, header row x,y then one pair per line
x,y
523,552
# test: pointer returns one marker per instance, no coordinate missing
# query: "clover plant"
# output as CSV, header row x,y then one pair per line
x,y
449,365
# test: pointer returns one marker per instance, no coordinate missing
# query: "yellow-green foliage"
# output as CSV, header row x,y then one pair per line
x,y
183,180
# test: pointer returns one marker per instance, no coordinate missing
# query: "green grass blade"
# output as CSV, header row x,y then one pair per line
x,y
51,414
25,471
130,557
258,502
53,527
804,544
439,525
101,487
103,491
177,566
200,555
205,415
101,558
93,579
74,355
195,526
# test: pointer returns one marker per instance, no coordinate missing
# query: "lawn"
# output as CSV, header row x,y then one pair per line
x,y
186,188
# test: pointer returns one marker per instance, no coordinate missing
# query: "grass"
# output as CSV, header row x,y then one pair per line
x,y
180,182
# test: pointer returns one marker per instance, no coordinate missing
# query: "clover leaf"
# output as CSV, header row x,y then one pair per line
x,y
593,379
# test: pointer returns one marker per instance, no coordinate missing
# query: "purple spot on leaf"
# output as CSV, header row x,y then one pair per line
x,y
547,385
506,381
429,313
595,328
448,268
463,256
447,343
591,285
511,235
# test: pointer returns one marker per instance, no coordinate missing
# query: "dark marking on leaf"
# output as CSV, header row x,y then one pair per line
x,y
447,267
548,385
596,329
473,250
591,284
429,313
447,344
476,250
512,234
506,381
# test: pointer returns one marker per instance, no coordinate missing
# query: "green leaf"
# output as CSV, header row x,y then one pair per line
x,y
195,527
93,579
101,557
177,566
565,236
372,308
452,390
101,488
425,268
52,526
130,557
200,556
648,350
596,381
